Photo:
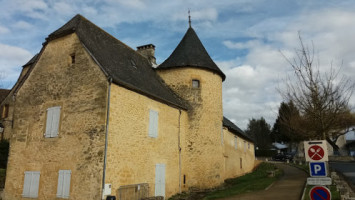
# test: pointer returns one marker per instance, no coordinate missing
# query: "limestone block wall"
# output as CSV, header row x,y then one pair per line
x,y
238,154
10,101
201,144
80,89
132,155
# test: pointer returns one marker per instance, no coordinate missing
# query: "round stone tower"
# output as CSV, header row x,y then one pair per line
x,y
191,73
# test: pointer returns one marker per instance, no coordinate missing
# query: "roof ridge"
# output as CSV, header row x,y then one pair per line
x,y
115,59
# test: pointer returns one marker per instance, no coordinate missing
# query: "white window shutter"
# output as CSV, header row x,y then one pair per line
x,y
27,184
63,187
153,123
60,184
34,184
49,122
55,121
66,187
52,124
31,184
160,180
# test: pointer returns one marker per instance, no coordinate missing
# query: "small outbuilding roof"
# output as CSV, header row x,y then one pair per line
x,y
124,65
191,53
235,129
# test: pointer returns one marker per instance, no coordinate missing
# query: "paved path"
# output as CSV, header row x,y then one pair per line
x,y
289,187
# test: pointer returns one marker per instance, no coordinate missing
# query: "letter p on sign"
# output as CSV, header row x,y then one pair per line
x,y
318,169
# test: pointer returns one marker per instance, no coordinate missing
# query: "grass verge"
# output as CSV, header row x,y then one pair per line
x,y
254,181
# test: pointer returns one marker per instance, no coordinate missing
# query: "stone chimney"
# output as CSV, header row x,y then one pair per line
x,y
148,52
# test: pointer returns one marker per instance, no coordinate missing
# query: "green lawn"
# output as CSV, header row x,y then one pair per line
x,y
257,180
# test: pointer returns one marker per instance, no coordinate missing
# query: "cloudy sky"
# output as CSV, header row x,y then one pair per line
x,y
243,37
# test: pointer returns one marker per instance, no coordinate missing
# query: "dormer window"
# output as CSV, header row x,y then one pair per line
x,y
195,83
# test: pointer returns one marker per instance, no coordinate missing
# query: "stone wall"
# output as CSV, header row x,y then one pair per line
x,y
80,89
10,101
238,158
132,154
201,144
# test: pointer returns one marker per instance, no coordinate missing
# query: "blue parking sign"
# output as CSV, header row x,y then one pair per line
x,y
318,168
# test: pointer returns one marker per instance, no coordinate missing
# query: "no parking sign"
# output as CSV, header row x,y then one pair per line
x,y
320,193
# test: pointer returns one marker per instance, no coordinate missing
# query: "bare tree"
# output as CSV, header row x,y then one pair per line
x,y
321,98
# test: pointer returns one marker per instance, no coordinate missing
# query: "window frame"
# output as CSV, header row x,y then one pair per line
x,y
195,81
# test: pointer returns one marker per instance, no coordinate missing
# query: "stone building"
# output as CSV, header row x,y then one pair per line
x,y
91,117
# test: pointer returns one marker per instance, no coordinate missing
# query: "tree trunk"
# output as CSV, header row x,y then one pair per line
x,y
333,144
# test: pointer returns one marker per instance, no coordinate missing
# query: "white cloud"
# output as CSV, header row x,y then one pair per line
x,y
254,71
4,30
11,60
250,88
241,45
22,25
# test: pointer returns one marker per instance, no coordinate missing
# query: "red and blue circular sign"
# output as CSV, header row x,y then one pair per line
x,y
320,193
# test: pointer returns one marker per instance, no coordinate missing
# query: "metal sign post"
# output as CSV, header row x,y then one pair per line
x,y
316,154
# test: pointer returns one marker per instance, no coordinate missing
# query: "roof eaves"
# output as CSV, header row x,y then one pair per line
x,y
154,97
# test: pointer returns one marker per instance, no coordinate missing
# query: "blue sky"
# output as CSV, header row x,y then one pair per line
x,y
244,37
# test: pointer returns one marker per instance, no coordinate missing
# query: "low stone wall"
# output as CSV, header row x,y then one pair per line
x,y
345,190
341,158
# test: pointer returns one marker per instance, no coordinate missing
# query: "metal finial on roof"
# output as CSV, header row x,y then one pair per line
x,y
189,19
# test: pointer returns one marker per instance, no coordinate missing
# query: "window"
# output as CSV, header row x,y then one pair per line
x,y
31,183
241,163
235,142
72,56
153,123
248,145
52,124
63,184
195,83
5,111
245,146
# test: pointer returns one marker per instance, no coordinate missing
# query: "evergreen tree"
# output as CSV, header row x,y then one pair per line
x,y
259,130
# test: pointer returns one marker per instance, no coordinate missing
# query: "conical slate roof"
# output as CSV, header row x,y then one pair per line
x,y
124,65
191,53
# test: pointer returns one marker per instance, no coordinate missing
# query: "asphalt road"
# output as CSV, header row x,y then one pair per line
x,y
347,168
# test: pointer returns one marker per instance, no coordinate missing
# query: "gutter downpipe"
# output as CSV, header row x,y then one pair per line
x,y
106,135
179,146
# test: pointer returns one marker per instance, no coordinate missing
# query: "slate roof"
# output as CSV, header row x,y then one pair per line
x,y
191,53
235,129
31,61
124,65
